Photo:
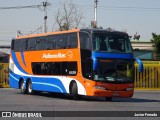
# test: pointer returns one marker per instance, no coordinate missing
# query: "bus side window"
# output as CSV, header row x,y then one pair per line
x,y
51,42
12,45
31,44
23,45
61,42
17,46
57,70
41,43
72,41
85,41
72,68
69,68
64,69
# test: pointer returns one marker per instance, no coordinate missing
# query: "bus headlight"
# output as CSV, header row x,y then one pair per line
x,y
99,87
128,89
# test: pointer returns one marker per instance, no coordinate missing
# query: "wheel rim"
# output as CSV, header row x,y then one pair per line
x,y
22,86
30,87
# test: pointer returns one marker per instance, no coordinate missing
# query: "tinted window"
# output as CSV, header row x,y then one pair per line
x,y
85,41
55,68
51,42
61,42
31,44
41,43
71,68
111,42
16,45
23,45
72,41
13,44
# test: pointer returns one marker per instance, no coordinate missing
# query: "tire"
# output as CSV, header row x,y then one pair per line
x,y
22,88
74,91
29,88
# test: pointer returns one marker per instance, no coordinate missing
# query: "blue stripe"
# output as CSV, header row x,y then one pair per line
x,y
49,84
41,83
13,80
96,55
22,55
17,63
14,77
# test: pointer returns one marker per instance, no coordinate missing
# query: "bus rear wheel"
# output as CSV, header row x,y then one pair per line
x,y
29,88
22,87
74,91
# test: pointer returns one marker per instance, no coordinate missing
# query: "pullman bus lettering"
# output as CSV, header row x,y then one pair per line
x,y
58,55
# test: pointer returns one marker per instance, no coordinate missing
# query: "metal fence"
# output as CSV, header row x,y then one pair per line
x,y
4,75
150,77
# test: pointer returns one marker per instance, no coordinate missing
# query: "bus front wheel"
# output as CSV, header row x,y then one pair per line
x,y
74,91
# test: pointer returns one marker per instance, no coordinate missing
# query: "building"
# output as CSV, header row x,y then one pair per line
x,y
4,53
143,49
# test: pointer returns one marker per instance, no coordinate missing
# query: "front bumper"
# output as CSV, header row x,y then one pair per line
x,y
110,93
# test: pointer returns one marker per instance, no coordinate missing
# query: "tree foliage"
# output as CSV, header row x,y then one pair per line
x,y
156,40
68,16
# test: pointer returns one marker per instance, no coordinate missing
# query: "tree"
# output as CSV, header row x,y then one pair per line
x,y
68,16
156,40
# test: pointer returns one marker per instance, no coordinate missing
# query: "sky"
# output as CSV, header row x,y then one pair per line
x,y
142,16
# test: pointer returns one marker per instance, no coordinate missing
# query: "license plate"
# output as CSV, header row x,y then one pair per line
x,y
115,94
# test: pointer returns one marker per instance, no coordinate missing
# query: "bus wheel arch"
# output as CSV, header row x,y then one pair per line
x,y
73,89
29,86
22,86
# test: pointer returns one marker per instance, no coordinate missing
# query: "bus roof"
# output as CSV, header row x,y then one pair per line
x,y
102,31
48,33
70,31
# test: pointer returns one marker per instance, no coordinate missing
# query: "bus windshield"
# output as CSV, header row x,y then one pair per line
x,y
108,42
115,70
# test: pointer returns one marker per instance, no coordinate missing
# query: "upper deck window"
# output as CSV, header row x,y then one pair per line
x,y
111,43
51,42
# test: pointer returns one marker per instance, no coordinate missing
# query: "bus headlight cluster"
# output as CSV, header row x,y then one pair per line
x,y
128,89
99,87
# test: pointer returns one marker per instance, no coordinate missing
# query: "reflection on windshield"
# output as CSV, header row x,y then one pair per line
x,y
115,70
111,43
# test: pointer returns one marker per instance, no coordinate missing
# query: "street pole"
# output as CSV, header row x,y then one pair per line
x,y
95,12
45,16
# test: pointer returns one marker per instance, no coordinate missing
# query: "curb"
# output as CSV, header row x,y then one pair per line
x,y
4,86
147,89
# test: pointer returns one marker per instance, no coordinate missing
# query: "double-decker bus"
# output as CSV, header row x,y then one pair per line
x,y
90,62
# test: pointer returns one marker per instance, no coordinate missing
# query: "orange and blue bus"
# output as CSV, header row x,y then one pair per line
x,y
89,62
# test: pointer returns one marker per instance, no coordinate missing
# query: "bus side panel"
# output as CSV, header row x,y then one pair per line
x,y
15,61
13,77
13,80
58,84
42,82
49,84
20,65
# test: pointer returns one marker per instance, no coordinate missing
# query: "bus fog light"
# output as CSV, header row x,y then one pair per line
x,y
99,87
128,89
